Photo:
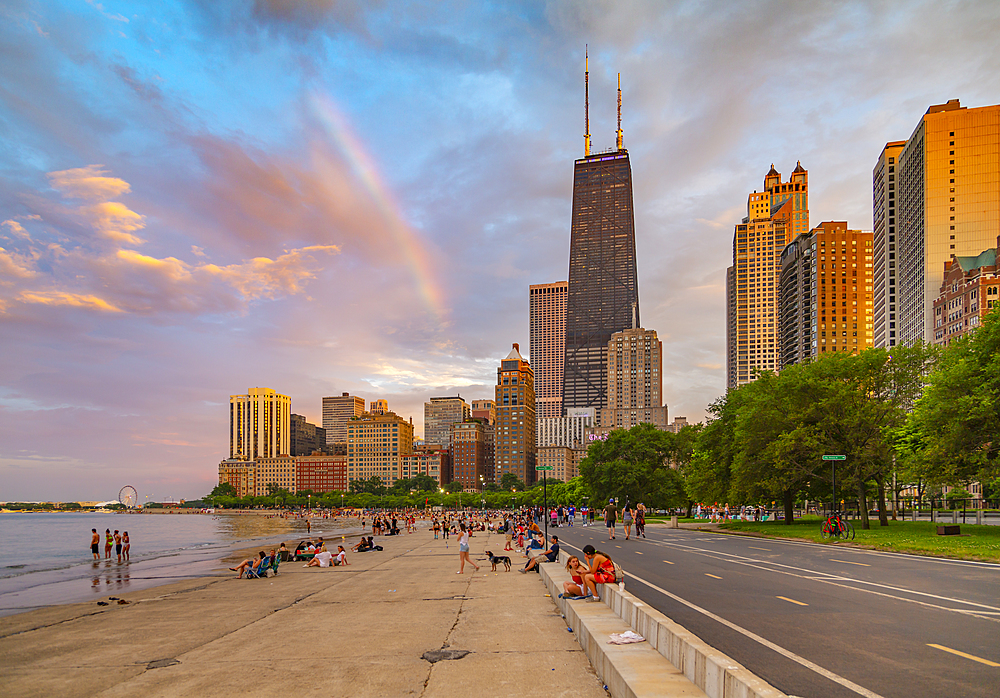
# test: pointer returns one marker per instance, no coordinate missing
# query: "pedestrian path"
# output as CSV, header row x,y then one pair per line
x,y
361,630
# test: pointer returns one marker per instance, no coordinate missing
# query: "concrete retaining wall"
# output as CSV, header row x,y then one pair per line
x,y
713,672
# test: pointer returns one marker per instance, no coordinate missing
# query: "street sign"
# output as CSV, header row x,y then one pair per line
x,y
834,457
545,467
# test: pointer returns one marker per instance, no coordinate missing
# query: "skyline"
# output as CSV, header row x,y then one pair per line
x,y
332,198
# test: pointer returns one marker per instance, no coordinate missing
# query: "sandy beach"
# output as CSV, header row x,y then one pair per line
x,y
360,630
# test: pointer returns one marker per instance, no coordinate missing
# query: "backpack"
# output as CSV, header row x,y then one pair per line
x,y
619,573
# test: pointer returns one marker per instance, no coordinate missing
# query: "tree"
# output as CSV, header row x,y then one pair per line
x,y
952,431
709,472
453,486
510,481
632,465
780,441
223,489
866,400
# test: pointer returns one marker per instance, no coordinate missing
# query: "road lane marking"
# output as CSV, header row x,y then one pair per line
x,y
797,603
836,678
712,575
668,562
848,562
637,552
830,578
963,654
756,548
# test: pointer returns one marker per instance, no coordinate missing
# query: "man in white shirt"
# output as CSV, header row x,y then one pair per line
x,y
321,559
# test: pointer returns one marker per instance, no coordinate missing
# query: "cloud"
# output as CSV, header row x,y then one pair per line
x,y
17,229
115,221
88,183
75,300
13,265
261,277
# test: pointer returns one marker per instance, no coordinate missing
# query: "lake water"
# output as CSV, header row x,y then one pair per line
x,y
47,557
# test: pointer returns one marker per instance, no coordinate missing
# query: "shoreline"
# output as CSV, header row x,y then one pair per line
x,y
86,582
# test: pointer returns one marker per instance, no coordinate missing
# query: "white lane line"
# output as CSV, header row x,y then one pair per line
x,y
836,678
785,598
973,657
756,548
830,578
848,562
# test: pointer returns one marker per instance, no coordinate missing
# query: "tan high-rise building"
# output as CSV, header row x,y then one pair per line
x,y
259,424
439,414
949,204
634,380
547,345
885,186
276,473
827,293
563,460
338,411
775,216
378,406
485,410
431,461
241,474
515,428
375,443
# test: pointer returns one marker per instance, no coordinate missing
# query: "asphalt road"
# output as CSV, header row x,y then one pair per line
x,y
820,621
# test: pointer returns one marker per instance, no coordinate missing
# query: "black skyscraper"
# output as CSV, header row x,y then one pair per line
x,y
603,290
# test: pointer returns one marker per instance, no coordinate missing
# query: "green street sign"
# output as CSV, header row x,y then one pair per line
x,y
834,457
545,467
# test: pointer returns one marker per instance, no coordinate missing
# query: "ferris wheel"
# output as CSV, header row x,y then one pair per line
x,y
128,496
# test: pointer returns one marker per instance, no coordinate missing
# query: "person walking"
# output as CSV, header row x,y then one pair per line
x,y
640,520
463,550
95,543
627,521
610,517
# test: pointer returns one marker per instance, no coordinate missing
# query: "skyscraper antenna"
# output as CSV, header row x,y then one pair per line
x,y
619,132
586,101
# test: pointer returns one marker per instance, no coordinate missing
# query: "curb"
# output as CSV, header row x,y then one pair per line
x,y
688,663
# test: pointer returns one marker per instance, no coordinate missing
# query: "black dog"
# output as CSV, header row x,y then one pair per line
x,y
497,559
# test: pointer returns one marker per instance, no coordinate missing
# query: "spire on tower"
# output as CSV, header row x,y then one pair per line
x,y
586,101
619,133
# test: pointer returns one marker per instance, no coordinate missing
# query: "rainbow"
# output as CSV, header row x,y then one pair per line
x,y
406,239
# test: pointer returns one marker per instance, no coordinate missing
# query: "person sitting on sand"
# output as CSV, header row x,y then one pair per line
x,y
322,559
249,562
283,552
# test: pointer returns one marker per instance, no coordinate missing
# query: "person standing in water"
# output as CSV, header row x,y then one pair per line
x,y
127,545
95,542
118,546
108,541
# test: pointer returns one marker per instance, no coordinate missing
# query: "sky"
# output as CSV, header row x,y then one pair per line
x,y
322,196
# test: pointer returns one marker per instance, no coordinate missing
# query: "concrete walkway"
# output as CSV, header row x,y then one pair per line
x,y
360,630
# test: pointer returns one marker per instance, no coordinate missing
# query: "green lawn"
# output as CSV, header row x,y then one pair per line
x,y
918,537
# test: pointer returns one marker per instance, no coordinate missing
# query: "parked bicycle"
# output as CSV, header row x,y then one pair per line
x,y
837,526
